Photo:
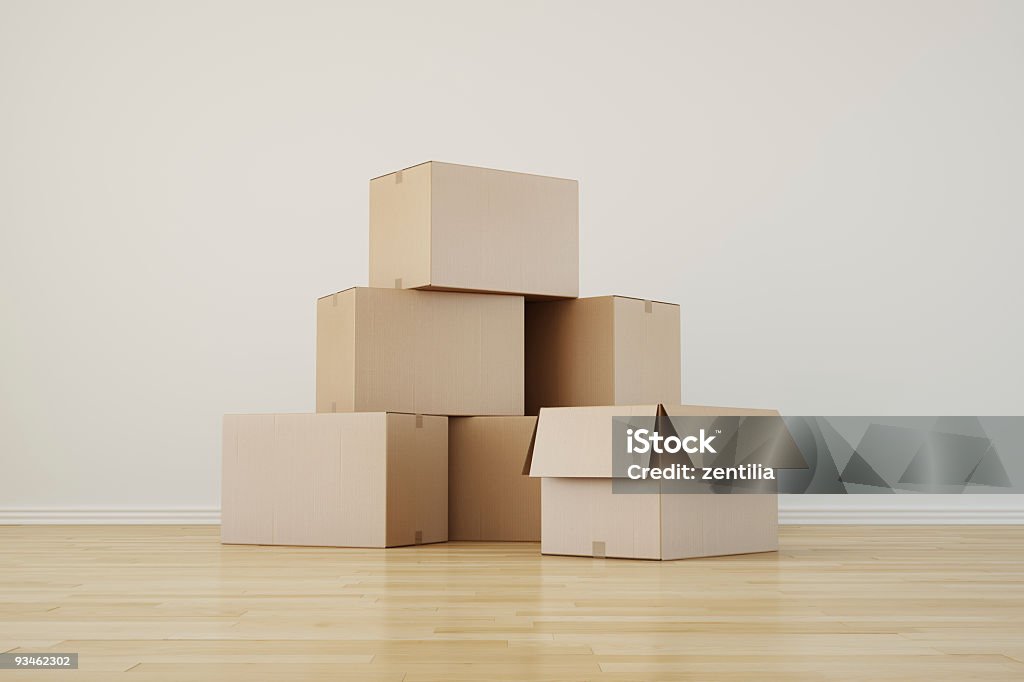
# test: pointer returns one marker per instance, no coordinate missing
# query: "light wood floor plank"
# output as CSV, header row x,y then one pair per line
x,y
858,603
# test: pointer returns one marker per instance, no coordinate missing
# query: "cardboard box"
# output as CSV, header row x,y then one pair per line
x,y
608,350
462,228
337,480
582,516
421,352
489,498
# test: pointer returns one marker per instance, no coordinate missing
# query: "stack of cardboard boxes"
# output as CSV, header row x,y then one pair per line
x,y
429,383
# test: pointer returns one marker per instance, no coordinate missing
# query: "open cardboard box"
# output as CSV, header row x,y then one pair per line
x,y
586,511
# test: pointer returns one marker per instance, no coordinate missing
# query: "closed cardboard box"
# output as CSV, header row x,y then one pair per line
x,y
337,480
448,226
585,511
607,350
422,352
489,498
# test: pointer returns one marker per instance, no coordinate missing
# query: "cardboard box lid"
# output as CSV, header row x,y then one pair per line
x,y
577,442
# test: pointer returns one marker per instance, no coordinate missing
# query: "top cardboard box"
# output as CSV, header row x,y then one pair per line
x,y
450,227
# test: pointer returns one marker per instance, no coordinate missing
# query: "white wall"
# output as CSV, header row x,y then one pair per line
x,y
832,191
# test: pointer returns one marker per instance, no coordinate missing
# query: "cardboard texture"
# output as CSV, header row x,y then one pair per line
x,y
452,227
489,498
608,350
338,480
581,516
420,352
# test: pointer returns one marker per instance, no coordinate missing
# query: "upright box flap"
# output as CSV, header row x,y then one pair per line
x,y
576,442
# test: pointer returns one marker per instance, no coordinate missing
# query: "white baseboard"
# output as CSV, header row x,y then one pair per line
x,y
965,509
120,516
900,516
1005,511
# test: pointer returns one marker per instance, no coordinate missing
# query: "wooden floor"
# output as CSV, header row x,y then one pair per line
x,y
171,603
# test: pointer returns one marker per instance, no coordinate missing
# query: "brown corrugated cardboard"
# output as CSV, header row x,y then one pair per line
x,y
341,480
714,525
581,515
423,352
452,227
608,350
489,498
